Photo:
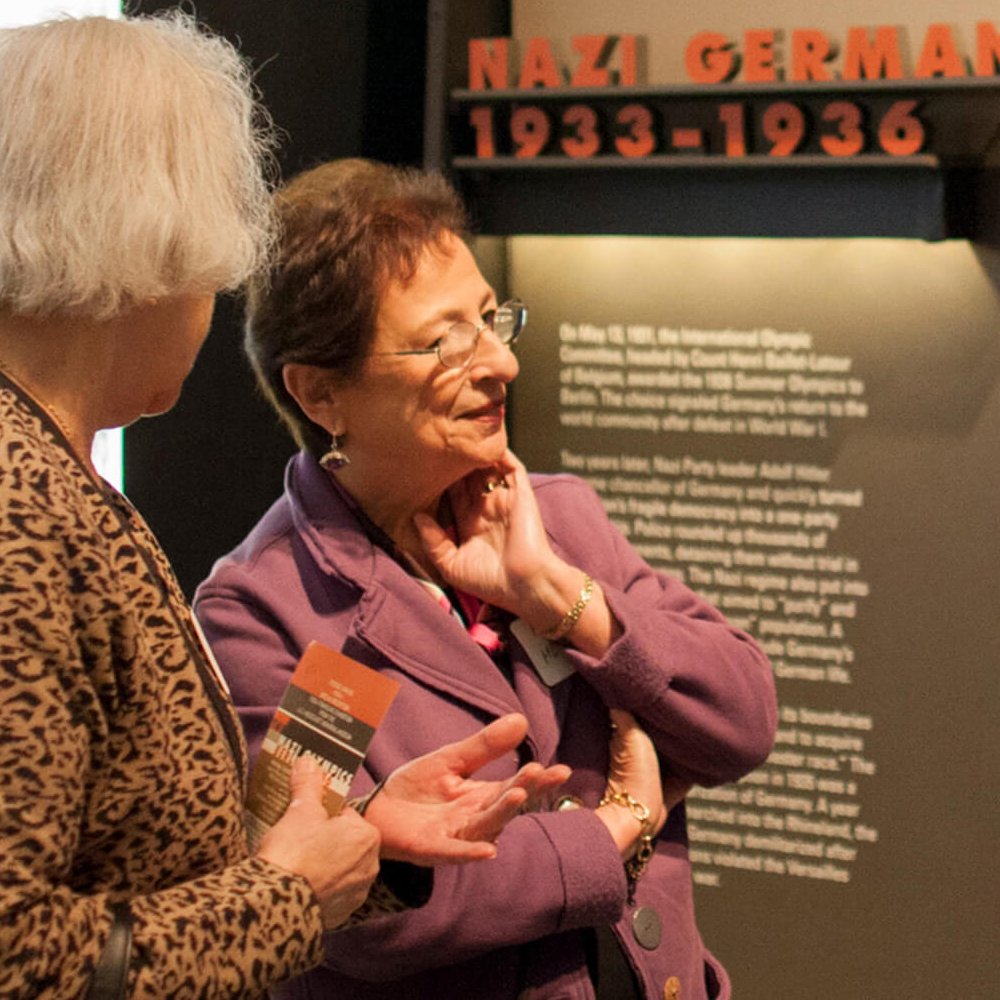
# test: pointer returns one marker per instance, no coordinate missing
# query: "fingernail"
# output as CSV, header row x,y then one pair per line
x,y
306,764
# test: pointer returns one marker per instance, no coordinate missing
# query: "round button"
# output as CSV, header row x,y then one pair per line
x,y
672,989
646,927
567,802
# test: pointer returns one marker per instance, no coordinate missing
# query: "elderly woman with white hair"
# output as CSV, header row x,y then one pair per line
x,y
132,190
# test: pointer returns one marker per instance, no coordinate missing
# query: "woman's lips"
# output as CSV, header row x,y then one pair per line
x,y
493,411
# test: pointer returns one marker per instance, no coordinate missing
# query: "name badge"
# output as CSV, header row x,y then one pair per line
x,y
548,658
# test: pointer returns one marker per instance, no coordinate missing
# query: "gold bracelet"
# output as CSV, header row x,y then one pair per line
x,y
573,615
635,865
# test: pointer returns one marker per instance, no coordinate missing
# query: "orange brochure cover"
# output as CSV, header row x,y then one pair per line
x,y
331,709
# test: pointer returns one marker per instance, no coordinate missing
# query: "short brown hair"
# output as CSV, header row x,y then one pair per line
x,y
348,228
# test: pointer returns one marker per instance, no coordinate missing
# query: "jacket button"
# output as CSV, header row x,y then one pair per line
x,y
567,802
646,928
672,989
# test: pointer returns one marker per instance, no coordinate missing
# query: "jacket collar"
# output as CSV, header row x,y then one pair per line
x,y
394,614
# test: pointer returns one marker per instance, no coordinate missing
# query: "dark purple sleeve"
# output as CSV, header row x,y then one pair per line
x,y
703,689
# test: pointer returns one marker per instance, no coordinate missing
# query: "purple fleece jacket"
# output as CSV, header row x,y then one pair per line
x,y
501,929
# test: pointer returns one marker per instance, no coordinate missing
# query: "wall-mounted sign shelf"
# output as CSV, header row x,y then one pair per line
x,y
901,158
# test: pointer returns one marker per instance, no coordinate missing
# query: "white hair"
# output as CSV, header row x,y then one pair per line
x,y
134,164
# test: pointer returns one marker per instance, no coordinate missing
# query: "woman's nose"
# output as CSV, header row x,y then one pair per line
x,y
494,359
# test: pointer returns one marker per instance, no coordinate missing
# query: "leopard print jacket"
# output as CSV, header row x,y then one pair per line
x,y
121,760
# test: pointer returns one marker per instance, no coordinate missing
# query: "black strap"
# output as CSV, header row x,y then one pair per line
x,y
110,978
610,971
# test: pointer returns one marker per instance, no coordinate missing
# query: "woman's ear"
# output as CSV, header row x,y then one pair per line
x,y
312,388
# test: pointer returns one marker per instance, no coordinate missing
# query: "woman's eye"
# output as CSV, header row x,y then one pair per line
x,y
439,339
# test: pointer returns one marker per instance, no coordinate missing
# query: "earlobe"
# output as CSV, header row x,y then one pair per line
x,y
312,388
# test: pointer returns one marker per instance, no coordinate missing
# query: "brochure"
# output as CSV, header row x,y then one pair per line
x,y
331,709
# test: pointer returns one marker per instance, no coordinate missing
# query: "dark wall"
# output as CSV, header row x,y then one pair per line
x,y
340,78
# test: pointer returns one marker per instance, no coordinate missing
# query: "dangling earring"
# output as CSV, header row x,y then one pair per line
x,y
334,458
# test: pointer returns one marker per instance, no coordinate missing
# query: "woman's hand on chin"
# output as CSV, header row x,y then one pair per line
x,y
499,551
501,554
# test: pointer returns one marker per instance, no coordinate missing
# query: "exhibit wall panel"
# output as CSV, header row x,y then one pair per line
x,y
807,432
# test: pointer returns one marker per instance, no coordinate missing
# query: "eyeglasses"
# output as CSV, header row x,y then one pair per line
x,y
458,345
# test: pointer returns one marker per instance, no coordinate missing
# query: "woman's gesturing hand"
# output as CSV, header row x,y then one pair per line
x,y
337,856
431,812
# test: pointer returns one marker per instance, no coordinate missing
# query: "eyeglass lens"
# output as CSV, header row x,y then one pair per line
x,y
460,343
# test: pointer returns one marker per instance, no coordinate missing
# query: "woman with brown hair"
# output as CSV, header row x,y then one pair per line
x,y
410,537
